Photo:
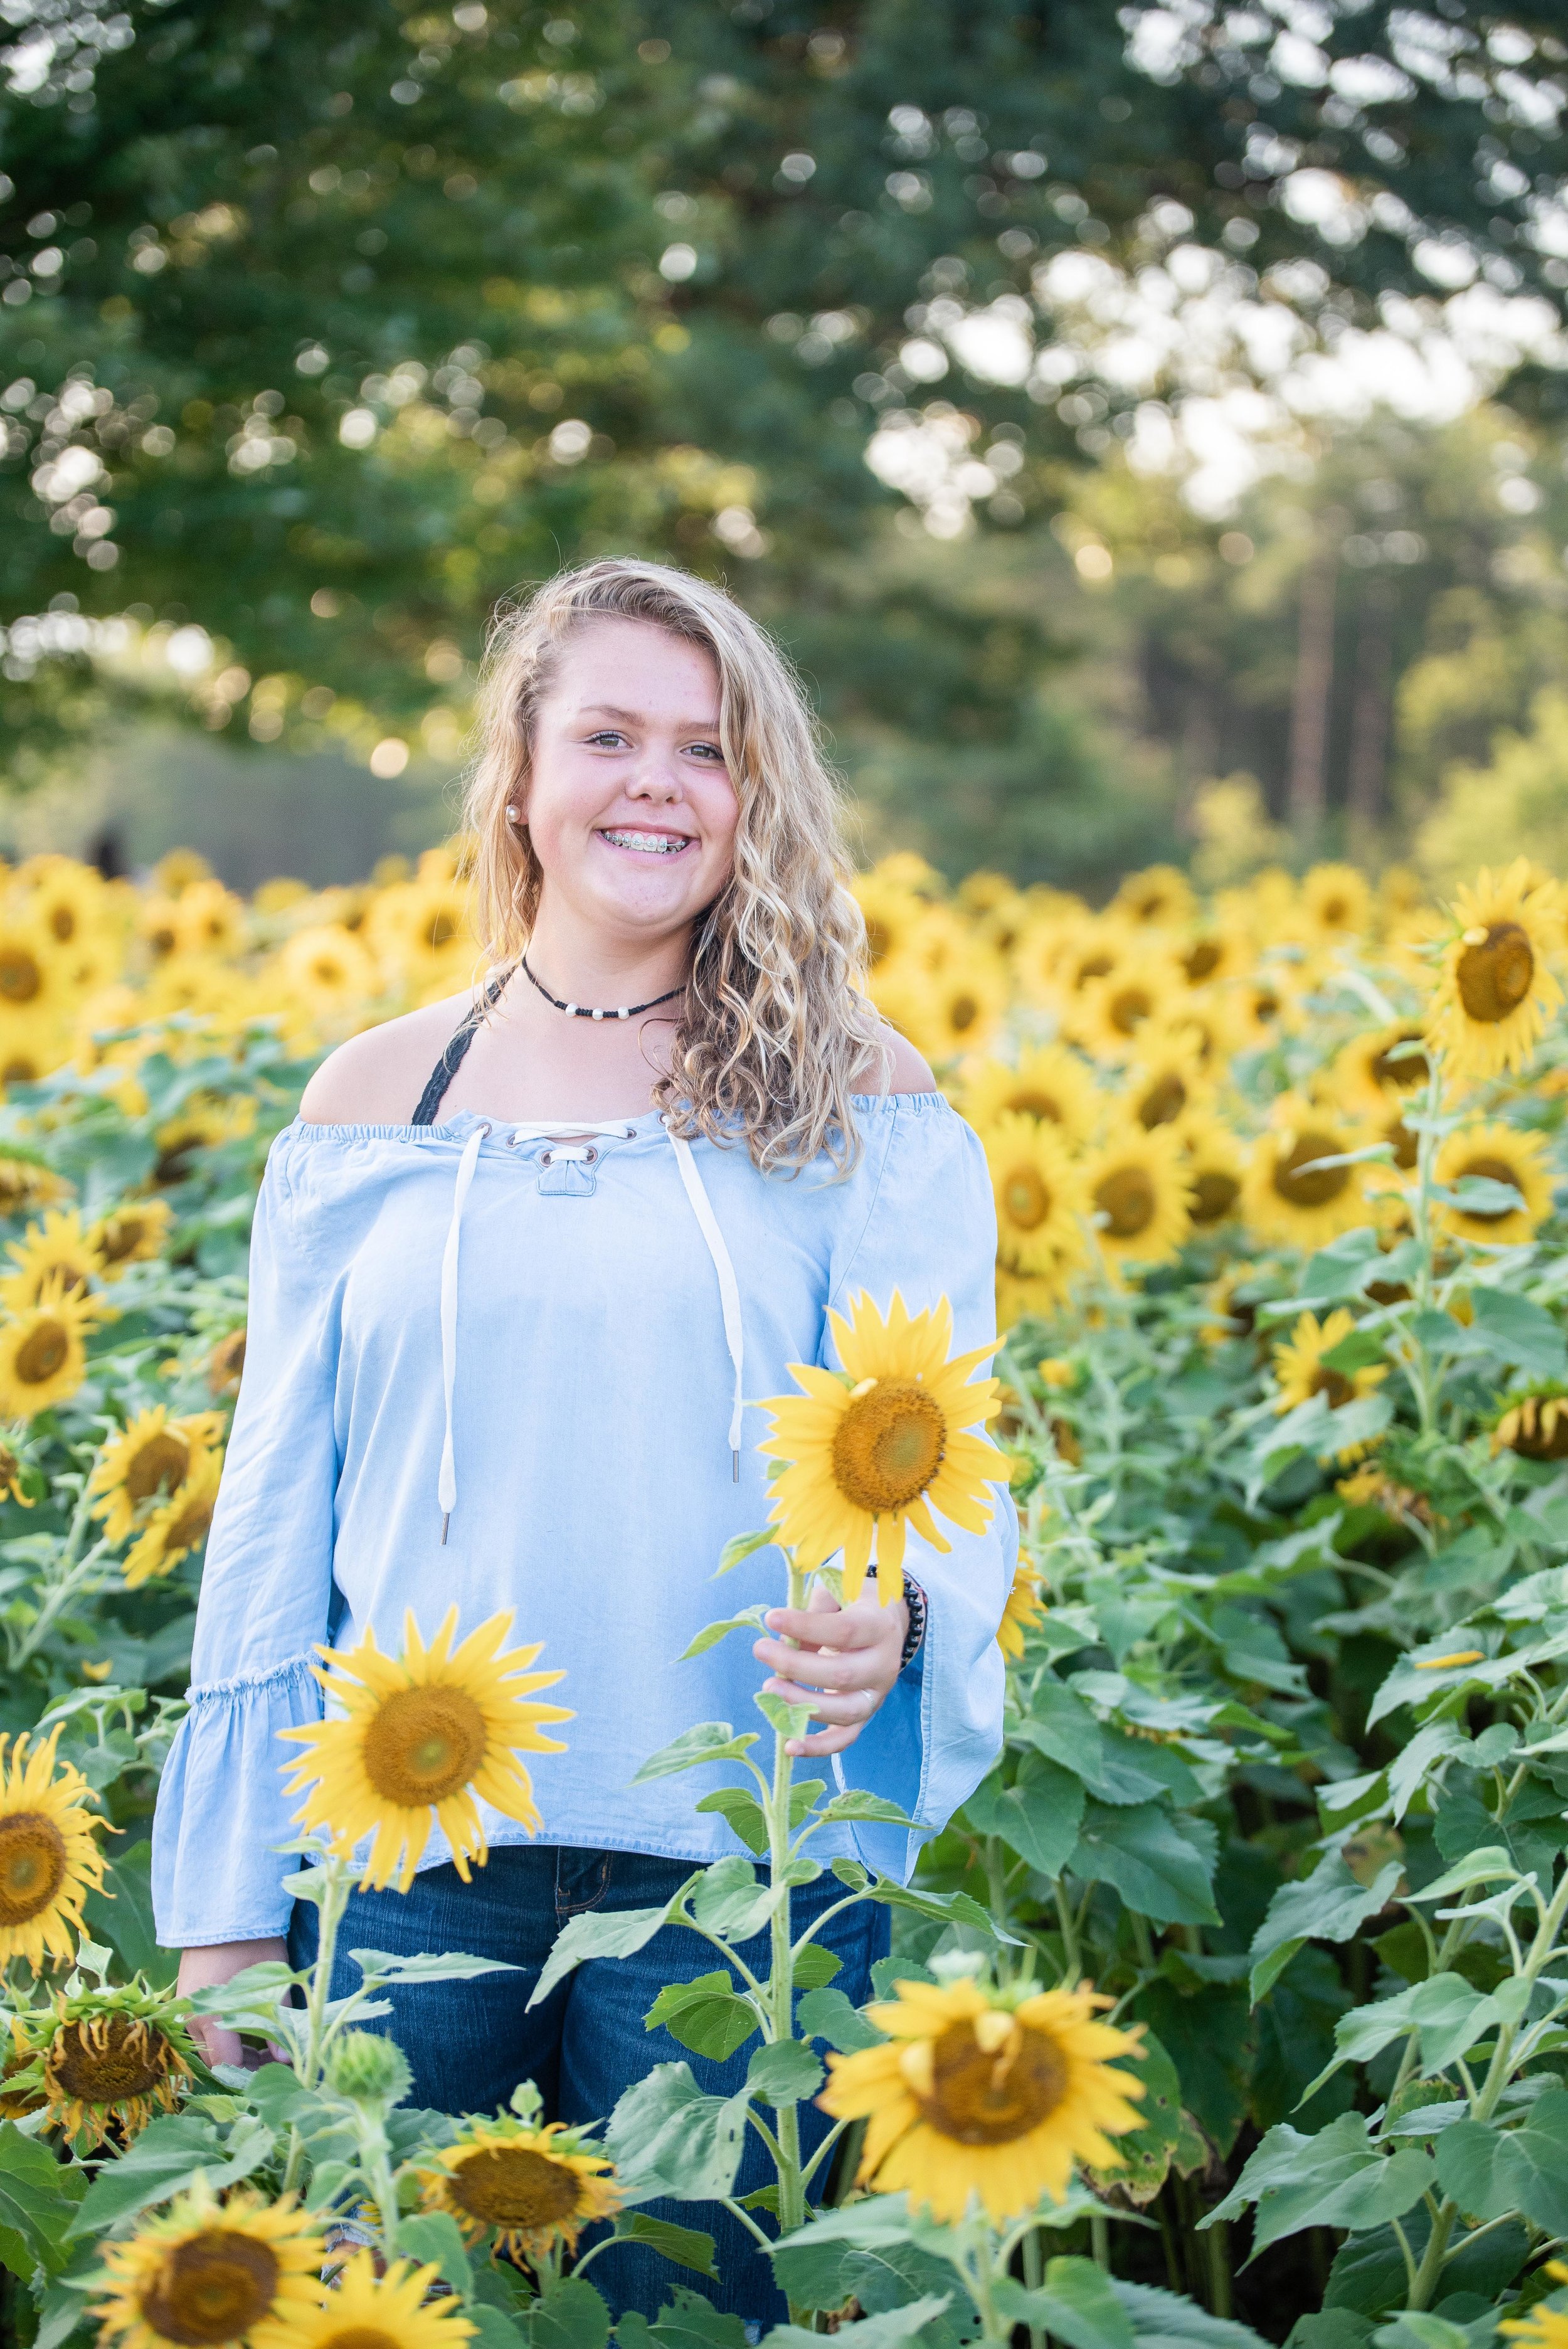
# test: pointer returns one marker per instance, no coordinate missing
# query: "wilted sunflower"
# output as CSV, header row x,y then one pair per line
x,y
152,1455
1289,1195
366,2311
1535,1424
1216,1163
205,2273
43,1352
537,2188
881,1445
1051,1085
134,1234
181,1525
1497,1153
1139,1192
976,2096
49,1857
1302,1373
1040,1192
1025,1608
57,1251
11,1470
422,1736
1495,988
107,2060
1373,1073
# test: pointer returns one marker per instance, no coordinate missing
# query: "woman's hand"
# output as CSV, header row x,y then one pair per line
x,y
847,1661
202,1969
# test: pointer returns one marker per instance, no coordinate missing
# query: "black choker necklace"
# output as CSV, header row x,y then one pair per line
x,y
583,1011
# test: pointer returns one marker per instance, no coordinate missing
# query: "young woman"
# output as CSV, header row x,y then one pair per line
x,y
520,1273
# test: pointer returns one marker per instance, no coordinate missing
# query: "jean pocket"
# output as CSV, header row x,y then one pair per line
x,y
581,1880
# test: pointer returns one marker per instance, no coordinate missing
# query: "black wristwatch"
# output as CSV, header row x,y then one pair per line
x,y
915,1600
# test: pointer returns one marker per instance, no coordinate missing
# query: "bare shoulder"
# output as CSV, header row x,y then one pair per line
x,y
908,1073
377,1079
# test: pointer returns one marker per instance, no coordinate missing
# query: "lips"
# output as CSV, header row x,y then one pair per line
x,y
648,844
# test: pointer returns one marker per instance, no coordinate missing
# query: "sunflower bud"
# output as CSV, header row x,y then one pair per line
x,y
368,2070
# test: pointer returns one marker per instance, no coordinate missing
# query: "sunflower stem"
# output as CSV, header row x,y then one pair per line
x,y
334,1901
781,1980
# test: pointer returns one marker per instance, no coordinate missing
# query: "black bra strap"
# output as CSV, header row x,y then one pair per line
x,y
446,1067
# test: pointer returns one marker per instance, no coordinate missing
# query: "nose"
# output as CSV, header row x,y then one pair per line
x,y
657,778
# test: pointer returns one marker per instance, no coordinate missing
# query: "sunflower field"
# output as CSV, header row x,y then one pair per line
x,y
1234,2006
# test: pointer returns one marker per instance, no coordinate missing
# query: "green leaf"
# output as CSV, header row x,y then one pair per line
x,y
493,2328
1161,2320
814,2264
38,2198
706,2015
740,1546
953,1908
1329,1905
688,2247
1075,2302
883,2332
1356,1352
730,1899
381,1966
1491,1864
709,1741
828,2014
608,1934
687,2320
1160,1861
1419,2329
1519,1332
857,1803
784,2072
744,1812
1333,2179
815,1967
748,1620
1523,2169
789,1720
1039,1816
435,2235
666,2138
163,2159
569,2314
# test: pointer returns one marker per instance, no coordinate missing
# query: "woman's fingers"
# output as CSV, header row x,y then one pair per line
x,y
817,1667
853,1705
824,1741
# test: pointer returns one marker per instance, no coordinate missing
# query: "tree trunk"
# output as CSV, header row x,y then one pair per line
x,y
1313,698
1368,773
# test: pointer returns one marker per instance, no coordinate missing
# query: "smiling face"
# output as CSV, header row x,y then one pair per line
x,y
629,803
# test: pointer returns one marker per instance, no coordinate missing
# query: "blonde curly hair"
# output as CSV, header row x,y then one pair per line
x,y
773,1031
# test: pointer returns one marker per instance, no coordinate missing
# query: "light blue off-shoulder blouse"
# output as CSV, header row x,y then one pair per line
x,y
540,1350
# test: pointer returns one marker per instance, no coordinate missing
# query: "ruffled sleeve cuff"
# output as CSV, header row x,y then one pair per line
x,y
217,1872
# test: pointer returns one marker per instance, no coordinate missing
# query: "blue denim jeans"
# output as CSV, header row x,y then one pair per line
x,y
471,2043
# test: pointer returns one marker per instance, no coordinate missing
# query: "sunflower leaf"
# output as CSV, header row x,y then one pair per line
x,y
789,1720
706,2015
748,1620
612,1934
709,1741
666,2138
36,2192
783,2073
163,2159
744,1812
380,1966
689,2246
741,1547
1076,2302
891,2326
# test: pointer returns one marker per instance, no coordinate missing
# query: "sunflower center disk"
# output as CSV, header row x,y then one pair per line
x,y
105,2061
424,1745
161,1460
361,2336
211,2289
41,1352
1334,1385
1129,1010
991,2099
20,978
888,1446
1214,1193
1494,976
1492,1170
1409,1069
1316,1188
1125,1198
32,1866
1162,1103
511,2186
1039,1106
1028,1201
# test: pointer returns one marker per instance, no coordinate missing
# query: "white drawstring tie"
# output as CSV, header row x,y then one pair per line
x,y
577,1151
728,1290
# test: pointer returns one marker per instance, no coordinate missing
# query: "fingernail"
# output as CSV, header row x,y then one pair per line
x,y
771,1619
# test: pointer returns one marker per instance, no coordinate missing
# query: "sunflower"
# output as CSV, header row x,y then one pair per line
x,y
181,1524
1166,1083
1055,962
973,2095
226,1363
26,1184
42,1353
179,869
1026,1297
903,993
1288,1194
1374,1073
1113,1011
968,995
151,1456
1499,1153
1495,990
208,920
1535,1425
206,2274
1335,903
1213,953
421,1736
11,1470
65,896
1025,1608
49,1858
328,968
1159,898
1139,1194
206,1119
537,2188
106,2061
134,1234
59,1251
1301,1371
890,913
1051,1085
1040,1196
878,1447
31,977
392,2311
1216,1164
1544,2327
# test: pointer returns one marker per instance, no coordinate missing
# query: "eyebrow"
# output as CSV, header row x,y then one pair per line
x,y
637,717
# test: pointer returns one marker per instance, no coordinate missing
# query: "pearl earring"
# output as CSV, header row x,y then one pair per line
x,y
512,816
